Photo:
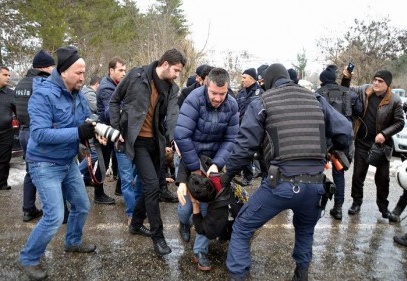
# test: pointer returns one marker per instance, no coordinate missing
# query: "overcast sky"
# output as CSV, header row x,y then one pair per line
x,y
276,31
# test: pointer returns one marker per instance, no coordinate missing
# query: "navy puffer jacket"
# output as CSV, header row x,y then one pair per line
x,y
204,130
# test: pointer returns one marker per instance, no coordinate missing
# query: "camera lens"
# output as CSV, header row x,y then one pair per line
x,y
107,132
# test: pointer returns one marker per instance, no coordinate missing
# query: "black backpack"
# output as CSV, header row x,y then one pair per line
x,y
338,97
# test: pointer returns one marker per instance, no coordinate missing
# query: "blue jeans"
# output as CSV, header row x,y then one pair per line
x,y
263,205
176,160
52,181
201,244
130,182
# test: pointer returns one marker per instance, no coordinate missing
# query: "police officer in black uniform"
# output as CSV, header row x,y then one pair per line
x,y
348,104
291,125
42,66
7,109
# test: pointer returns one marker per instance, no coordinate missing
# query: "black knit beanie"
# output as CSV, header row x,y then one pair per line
x,y
260,71
43,59
200,69
66,56
328,75
293,75
385,75
273,73
251,72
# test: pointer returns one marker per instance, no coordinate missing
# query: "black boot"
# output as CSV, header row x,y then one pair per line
x,y
401,239
400,206
300,274
167,196
336,212
118,190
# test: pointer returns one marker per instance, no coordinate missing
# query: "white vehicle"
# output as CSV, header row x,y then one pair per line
x,y
400,140
401,93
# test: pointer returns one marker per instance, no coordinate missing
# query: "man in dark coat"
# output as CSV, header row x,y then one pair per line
x,y
7,108
382,117
149,97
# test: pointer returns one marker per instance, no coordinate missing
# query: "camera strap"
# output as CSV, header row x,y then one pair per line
x,y
101,162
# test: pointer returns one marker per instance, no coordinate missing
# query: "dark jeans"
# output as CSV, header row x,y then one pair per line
x,y
265,204
107,152
382,179
29,189
147,161
339,180
6,143
114,163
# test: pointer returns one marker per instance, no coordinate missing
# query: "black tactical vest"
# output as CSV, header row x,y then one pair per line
x,y
295,127
338,97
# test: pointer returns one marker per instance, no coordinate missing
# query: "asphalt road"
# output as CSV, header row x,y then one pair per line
x,y
357,248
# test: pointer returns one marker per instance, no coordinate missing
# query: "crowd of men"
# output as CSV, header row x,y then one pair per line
x,y
272,128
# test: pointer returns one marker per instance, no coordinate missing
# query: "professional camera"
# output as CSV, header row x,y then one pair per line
x,y
103,129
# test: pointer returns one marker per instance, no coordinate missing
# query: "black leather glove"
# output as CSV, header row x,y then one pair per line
x,y
225,180
86,131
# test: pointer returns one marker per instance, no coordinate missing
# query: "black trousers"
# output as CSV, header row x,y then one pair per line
x,y
381,178
6,144
147,161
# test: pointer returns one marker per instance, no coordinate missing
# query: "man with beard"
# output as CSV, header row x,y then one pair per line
x,y
148,95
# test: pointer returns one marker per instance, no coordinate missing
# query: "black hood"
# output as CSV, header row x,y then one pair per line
x,y
273,73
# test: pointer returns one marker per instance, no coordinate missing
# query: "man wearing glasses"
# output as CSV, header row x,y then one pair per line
x,y
382,118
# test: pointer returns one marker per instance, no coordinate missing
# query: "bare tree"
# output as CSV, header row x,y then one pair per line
x,y
371,45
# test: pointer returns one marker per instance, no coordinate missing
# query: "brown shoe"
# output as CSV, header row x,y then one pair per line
x,y
35,272
203,261
82,248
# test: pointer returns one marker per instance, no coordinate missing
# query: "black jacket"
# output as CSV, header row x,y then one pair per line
x,y
23,92
135,93
185,92
7,108
220,217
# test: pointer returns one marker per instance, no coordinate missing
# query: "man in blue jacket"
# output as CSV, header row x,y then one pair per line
x,y
207,125
57,113
291,125
117,71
